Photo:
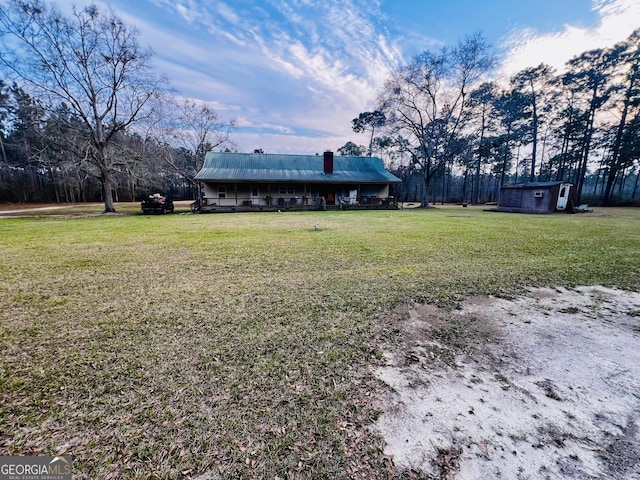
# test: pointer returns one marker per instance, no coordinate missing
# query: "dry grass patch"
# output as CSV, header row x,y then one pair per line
x,y
241,346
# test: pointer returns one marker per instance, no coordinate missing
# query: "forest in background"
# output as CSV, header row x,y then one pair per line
x,y
43,159
442,124
455,134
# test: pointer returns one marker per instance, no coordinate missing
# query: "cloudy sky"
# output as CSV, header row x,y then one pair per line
x,y
294,73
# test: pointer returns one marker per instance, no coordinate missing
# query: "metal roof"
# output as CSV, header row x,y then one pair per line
x,y
264,167
535,184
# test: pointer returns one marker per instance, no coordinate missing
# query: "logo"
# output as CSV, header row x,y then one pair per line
x,y
36,468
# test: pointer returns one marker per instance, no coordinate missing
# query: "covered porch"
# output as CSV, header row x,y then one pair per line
x,y
233,182
233,197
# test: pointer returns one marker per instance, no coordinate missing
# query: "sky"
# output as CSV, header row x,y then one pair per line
x,y
294,73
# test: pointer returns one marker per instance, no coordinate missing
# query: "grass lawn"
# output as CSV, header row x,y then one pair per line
x,y
241,345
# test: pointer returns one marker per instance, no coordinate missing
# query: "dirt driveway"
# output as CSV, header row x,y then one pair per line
x,y
543,386
37,207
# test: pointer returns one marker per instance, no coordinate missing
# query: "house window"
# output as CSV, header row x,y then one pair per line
x,y
222,192
287,190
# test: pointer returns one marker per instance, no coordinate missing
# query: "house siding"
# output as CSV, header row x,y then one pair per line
x,y
237,194
263,180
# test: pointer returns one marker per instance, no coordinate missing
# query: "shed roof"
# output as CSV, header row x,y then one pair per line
x,y
263,167
534,185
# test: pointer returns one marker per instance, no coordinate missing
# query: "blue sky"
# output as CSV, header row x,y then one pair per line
x,y
293,73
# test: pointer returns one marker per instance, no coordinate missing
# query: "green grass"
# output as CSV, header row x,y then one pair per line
x,y
241,345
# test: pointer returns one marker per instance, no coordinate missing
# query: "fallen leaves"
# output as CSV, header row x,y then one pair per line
x,y
156,358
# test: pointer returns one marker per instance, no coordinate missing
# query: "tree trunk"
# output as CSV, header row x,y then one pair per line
x,y
564,150
449,181
586,147
623,180
505,158
464,184
107,193
532,176
371,141
479,163
544,148
427,183
425,194
615,153
4,154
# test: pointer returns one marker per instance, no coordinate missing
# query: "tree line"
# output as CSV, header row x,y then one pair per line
x,y
454,133
84,117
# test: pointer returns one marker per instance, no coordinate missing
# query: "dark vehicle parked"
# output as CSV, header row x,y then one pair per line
x,y
157,204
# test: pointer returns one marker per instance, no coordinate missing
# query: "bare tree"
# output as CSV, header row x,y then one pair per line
x,y
185,132
425,103
89,60
201,129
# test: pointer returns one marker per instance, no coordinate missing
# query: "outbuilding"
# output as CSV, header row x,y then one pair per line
x,y
263,182
536,197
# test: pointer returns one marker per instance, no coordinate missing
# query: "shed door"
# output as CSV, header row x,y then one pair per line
x,y
563,196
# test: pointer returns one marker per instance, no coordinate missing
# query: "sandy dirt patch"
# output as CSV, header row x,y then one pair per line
x,y
542,386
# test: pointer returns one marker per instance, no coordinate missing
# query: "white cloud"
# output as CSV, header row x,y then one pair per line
x,y
274,143
237,40
527,48
228,13
248,120
337,51
288,66
184,12
188,9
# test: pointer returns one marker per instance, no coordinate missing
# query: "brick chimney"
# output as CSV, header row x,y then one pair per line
x,y
328,162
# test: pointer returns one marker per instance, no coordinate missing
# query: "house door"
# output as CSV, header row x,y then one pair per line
x,y
255,196
563,196
328,193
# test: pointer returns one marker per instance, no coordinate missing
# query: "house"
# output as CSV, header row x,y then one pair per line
x,y
536,197
268,182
